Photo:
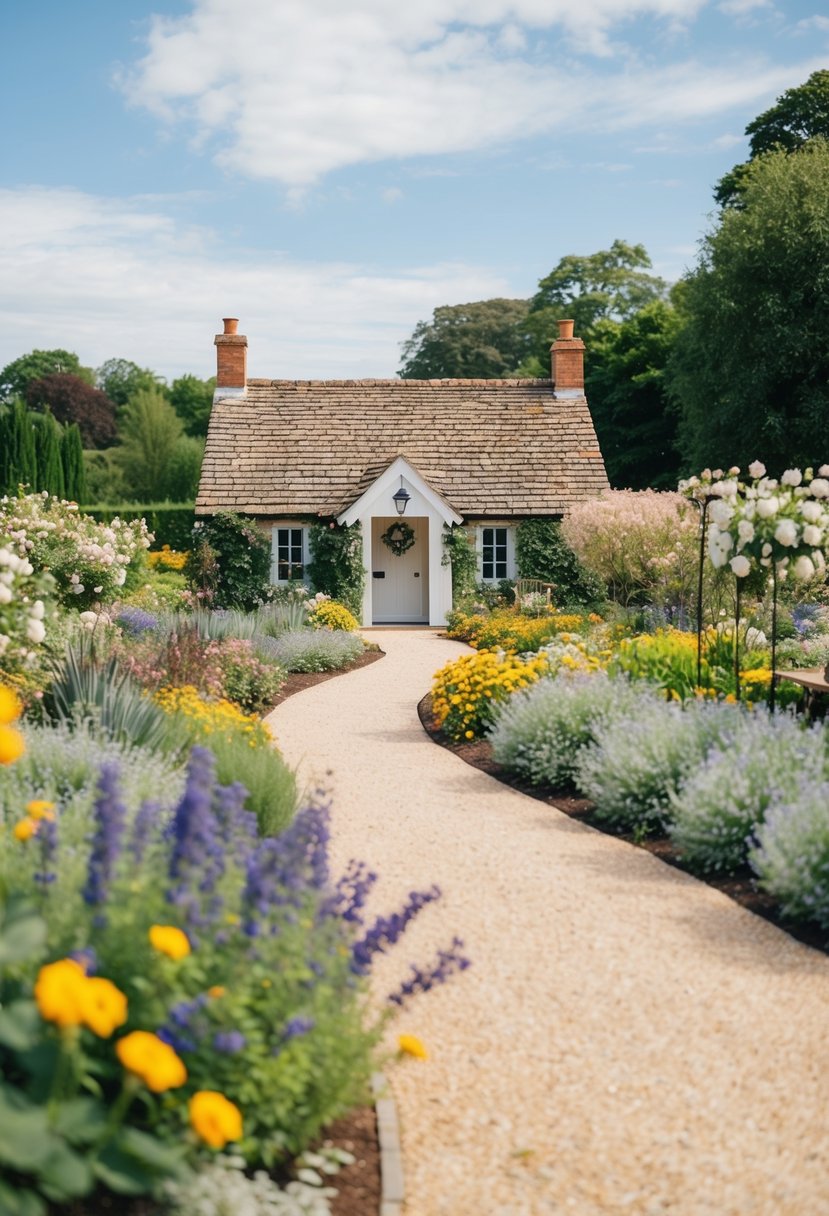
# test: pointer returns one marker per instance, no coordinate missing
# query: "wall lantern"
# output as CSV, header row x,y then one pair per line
x,y
401,498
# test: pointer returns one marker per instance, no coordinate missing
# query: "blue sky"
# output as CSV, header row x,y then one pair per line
x,y
331,173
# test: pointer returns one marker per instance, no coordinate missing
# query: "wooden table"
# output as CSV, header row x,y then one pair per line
x,y
812,681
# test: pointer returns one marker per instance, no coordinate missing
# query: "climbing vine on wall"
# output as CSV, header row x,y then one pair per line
x,y
459,553
336,565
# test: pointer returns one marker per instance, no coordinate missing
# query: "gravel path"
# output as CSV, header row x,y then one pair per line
x,y
627,1040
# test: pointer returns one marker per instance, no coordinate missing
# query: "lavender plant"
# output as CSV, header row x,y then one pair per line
x,y
312,650
723,802
636,762
540,731
790,850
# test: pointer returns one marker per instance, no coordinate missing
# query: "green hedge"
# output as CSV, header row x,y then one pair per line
x,y
170,522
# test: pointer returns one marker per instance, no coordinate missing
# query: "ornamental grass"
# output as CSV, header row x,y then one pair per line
x,y
466,691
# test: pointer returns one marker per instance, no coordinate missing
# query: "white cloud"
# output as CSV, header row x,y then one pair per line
x,y
724,142
740,8
123,278
290,92
821,24
392,194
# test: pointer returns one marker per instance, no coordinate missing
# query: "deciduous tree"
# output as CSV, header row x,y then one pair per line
x,y
16,376
71,399
482,340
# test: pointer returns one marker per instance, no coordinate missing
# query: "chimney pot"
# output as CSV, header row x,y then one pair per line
x,y
231,324
567,362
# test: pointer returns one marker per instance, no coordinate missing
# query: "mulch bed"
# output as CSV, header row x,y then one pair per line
x,y
299,680
739,885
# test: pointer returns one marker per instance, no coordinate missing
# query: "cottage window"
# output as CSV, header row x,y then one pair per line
x,y
288,554
496,550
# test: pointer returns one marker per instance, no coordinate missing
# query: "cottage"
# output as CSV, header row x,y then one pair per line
x,y
407,460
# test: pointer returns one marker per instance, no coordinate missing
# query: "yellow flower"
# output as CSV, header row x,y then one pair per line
x,y
214,1118
104,1006
12,746
216,991
10,707
151,1060
24,830
169,940
39,809
411,1045
59,992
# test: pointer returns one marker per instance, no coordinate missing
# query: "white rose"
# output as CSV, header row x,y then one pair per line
x,y
5,594
120,577
35,630
745,530
740,565
820,488
792,477
757,469
78,588
804,567
766,507
715,551
37,610
88,617
823,471
812,535
720,513
811,511
734,471
786,532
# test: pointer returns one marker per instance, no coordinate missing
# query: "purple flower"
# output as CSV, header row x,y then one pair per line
x,y
109,814
145,821
86,958
229,1042
285,870
350,893
136,621
197,856
448,963
47,837
295,1027
186,1024
387,930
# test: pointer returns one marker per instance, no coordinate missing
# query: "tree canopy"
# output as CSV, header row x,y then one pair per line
x,y
121,379
750,367
71,399
16,376
192,399
798,115
482,340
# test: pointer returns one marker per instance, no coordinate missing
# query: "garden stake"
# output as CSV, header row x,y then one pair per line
x,y
737,644
703,509
773,633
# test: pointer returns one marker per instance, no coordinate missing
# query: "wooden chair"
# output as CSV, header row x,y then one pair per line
x,y
532,587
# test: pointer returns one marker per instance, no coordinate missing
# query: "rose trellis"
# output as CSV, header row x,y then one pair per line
x,y
780,526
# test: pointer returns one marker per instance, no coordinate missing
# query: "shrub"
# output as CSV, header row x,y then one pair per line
x,y
312,649
202,719
89,561
540,732
246,680
170,523
25,608
466,691
167,559
541,552
270,786
720,805
635,763
790,852
642,543
229,562
331,615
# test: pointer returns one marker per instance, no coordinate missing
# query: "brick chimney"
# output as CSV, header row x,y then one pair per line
x,y
231,361
567,360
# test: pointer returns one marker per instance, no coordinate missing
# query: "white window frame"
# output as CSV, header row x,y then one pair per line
x,y
294,526
510,556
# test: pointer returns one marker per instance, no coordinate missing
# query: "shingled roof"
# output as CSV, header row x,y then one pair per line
x,y
496,448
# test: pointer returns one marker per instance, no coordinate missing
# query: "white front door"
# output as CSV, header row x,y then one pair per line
x,y
400,584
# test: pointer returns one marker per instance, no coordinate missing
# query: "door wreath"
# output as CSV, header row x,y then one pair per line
x,y
398,537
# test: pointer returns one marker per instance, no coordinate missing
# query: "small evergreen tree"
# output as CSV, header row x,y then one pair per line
x,y
71,455
47,452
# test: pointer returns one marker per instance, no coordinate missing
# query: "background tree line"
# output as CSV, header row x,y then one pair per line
x,y
728,365
115,434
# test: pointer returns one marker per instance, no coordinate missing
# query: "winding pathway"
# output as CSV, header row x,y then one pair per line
x,y
628,1040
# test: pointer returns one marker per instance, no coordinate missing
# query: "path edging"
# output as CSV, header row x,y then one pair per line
x,y
391,1153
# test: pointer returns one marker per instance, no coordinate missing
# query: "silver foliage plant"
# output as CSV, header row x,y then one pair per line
x,y
726,799
312,650
540,731
636,764
223,1189
790,853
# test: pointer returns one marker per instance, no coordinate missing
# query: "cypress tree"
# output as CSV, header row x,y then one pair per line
x,y
71,453
47,447
6,486
22,446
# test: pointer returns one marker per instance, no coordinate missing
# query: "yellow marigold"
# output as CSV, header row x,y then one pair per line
x,y
12,746
151,1060
103,1006
169,940
214,1118
10,707
216,991
411,1045
59,992
38,808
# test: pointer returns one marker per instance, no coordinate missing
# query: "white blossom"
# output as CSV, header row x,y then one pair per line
x,y
812,535
820,488
740,565
804,567
786,532
35,630
792,477
767,507
757,469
